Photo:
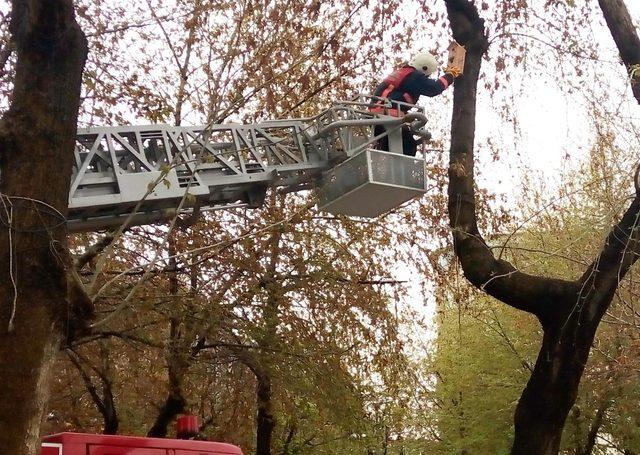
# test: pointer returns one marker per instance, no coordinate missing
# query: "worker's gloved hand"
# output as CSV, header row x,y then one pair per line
x,y
453,70
448,77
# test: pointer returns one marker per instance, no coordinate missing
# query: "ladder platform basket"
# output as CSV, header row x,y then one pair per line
x,y
371,183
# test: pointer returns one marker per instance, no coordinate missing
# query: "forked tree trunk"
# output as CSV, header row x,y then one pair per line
x,y
106,403
37,136
569,311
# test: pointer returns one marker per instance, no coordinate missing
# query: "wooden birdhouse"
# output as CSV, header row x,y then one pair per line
x,y
457,54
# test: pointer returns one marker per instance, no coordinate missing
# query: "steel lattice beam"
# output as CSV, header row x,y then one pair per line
x,y
218,165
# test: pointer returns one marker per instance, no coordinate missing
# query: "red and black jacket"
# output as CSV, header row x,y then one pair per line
x,y
407,85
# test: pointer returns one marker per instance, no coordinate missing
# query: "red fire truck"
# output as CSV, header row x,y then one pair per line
x,y
93,444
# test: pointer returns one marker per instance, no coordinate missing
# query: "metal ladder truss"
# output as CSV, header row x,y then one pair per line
x,y
218,165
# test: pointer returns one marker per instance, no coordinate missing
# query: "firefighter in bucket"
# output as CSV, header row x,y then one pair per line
x,y
407,84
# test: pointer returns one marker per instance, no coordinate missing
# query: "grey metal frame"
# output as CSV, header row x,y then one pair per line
x,y
115,168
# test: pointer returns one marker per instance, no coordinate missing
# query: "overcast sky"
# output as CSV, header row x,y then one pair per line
x,y
552,123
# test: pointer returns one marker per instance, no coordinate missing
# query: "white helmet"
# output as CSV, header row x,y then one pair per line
x,y
425,62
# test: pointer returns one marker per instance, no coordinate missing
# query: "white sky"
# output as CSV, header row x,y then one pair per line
x,y
552,123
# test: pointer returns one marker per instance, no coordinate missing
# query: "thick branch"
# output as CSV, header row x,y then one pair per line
x,y
625,35
621,247
122,335
93,251
5,54
178,362
495,276
619,253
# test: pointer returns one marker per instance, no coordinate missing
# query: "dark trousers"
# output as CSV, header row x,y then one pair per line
x,y
409,144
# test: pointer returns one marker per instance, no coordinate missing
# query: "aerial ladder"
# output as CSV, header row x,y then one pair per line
x,y
141,174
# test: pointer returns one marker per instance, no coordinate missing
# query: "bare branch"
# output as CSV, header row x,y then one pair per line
x,y
93,251
626,38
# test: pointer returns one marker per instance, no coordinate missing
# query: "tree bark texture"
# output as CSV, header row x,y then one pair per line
x,y
37,136
266,420
569,311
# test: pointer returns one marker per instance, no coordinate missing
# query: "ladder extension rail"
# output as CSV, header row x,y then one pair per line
x,y
219,166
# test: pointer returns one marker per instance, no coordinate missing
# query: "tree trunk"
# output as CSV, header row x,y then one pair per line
x,y
173,405
265,420
550,393
177,365
569,311
37,137
626,38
